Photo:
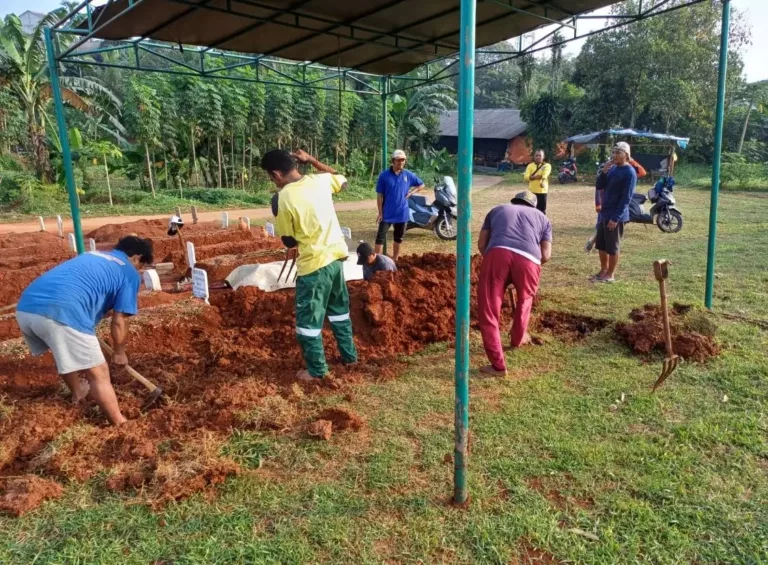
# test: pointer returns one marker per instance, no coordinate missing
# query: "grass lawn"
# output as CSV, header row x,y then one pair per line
x,y
560,471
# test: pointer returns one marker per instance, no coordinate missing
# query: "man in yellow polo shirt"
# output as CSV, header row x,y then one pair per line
x,y
537,177
306,219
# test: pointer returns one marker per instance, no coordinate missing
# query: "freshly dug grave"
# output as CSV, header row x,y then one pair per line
x,y
238,243
646,333
219,267
569,327
110,233
14,281
227,366
16,240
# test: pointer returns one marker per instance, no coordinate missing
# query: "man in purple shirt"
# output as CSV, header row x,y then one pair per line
x,y
515,240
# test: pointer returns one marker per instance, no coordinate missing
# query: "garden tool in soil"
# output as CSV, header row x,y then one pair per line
x,y
155,392
661,271
175,223
288,253
8,308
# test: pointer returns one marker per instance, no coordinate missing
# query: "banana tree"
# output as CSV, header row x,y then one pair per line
x,y
24,70
105,150
412,114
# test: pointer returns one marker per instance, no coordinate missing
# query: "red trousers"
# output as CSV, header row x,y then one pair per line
x,y
502,267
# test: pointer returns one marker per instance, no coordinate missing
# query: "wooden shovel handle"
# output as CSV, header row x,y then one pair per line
x,y
665,315
131,371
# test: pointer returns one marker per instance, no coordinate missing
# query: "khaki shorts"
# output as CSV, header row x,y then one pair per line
x,y
72,350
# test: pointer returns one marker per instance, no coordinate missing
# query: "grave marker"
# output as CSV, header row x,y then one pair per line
x,y
191,254
92,244
247,222
224,220
42,223
178,211
60,226
194,214
200,284
347,232
152,280
72,244
270,229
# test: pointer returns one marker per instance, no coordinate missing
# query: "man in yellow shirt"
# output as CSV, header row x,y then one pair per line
x,y
537,177
307,220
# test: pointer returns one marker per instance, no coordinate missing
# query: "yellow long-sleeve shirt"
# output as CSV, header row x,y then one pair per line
x,y
538,186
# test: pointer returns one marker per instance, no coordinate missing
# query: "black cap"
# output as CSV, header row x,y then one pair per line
x,y
364,250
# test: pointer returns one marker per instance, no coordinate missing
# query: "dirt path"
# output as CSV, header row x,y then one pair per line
x,y
480,182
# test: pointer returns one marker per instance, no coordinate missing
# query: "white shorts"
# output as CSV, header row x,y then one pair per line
x,y
72,350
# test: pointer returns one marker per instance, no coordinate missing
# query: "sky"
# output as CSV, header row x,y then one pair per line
x,y
756,62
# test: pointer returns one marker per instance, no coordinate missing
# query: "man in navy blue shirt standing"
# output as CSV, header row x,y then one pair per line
x,y
614,211
59,311
394,187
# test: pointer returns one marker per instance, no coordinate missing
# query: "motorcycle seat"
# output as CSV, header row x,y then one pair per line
x,y
639,198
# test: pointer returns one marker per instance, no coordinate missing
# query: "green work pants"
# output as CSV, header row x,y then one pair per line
x,y
319,293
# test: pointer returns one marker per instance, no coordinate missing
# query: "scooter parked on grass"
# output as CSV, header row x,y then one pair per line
x,y
568,172
440,216
664,211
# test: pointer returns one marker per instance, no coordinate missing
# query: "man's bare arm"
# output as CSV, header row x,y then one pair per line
x,y
482,241
380,204
546,251
119,331
304,157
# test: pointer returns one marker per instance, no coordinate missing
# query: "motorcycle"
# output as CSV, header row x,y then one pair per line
x,y
664,211
440,216
568,172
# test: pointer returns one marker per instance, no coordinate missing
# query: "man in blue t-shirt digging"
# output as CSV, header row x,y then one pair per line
x,y
394,187
61,309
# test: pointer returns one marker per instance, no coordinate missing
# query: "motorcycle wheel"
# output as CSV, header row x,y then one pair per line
x,y
670,221
446,228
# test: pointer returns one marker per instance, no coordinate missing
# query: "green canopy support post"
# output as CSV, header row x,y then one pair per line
x,y
719,112
66,154
464,253
384,126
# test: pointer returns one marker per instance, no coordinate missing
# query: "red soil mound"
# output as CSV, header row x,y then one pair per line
x,y
646,333
19,495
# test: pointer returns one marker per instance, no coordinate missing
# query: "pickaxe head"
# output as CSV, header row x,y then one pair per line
x,y
152,399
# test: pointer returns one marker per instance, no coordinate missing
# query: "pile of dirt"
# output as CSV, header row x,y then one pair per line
x,y
153,299
646,333
237,243
111,233
19,495
14,281
9,328
17,240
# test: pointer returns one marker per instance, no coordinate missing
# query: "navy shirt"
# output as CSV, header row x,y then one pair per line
x,y
79,292
395,188
618,188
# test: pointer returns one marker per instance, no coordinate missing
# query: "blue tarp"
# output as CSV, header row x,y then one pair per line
x,y
591,137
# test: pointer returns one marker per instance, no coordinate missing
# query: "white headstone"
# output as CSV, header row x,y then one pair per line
x,y
224,220
178,211
72,243
194,214
60,226
200,284
270,229
42,223
247,221
347,232
92,244
152,280
191,254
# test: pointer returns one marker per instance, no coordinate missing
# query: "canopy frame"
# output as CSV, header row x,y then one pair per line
x,y
86,27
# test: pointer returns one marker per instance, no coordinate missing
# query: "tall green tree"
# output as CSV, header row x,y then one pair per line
x,y
143,111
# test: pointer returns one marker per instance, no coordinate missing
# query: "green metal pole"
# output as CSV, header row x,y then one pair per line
x,y
66,154
464,254
384,127
719,112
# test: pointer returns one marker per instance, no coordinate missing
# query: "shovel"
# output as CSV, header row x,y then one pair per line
x,y
661,270
155,391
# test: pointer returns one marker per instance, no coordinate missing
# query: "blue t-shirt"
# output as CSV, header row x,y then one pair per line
x,y
395,188
79,292
619,186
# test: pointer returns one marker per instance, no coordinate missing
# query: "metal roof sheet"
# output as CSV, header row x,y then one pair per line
x,y
385,37
501,123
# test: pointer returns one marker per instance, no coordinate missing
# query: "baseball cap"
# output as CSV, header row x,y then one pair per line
x,y
364,251
174,223
623,146
525,197
398,154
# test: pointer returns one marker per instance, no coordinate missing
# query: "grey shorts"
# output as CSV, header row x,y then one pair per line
x,y
72,350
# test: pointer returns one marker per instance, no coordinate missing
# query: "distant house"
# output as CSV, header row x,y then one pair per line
x,y
498,134
29,21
